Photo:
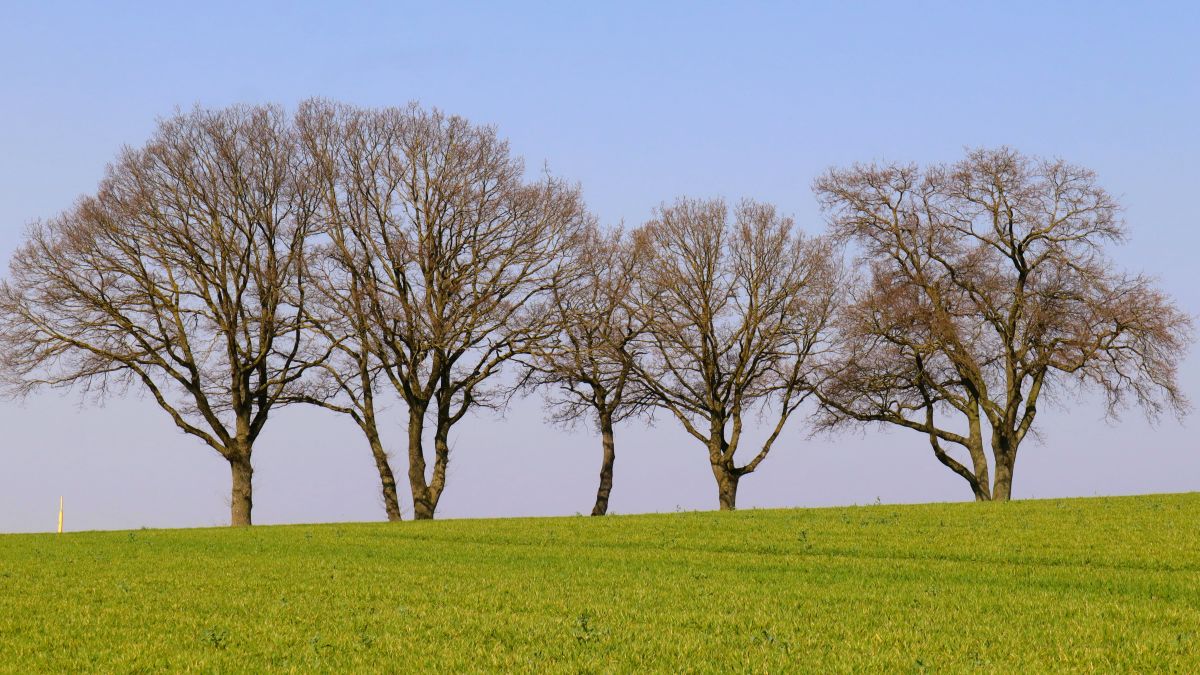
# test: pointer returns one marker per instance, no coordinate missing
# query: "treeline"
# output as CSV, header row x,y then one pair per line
x,y
246,259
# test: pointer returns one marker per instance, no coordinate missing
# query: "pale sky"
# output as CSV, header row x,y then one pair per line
x,y
640,102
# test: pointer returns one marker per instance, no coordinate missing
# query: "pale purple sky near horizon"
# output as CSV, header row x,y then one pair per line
x,y
640,102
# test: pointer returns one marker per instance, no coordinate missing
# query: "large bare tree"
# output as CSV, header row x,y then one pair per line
x,y
438,250
734,314
586,362
182,275
985,288
337,138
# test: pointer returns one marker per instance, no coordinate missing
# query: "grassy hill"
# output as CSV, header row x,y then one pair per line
x,y
1081,584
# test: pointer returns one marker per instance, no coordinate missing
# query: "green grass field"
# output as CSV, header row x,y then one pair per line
x,y
1084,585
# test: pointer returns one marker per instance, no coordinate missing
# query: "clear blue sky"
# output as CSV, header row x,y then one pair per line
x,y
640,102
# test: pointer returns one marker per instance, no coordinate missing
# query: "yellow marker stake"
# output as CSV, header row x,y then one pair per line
x,y
60,514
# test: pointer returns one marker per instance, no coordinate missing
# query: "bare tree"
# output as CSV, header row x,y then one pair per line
x,y
439,249
182,275
734,315
586,363
985,286
340,139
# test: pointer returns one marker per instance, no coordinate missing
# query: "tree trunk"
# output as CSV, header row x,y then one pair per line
x,y
979,462
422,509
1002,490
422,506
606,465
387,480
241,501
1005,452
370,426
727,485
441,459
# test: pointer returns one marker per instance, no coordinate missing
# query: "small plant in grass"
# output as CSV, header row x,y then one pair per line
x,y
216,638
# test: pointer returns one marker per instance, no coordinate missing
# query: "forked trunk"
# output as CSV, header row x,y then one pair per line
x,y
422,505
727,485
423,508
1005,452
427,494
242,498
606,465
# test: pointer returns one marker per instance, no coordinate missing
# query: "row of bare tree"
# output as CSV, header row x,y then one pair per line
x,y
246,258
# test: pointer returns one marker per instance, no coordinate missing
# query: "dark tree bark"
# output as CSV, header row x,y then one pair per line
x,y
422,500
727,485
242,498
1005,453
387,479
606,464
